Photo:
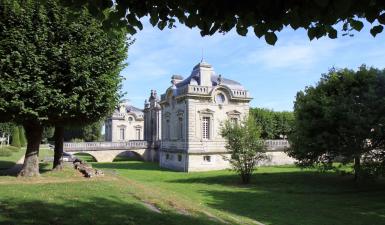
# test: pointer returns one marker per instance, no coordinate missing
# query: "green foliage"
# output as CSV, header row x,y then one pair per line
x,y
90,132
343,117
274,125
244,145
6,128
23,140
48,132
16,137
318,17
57,64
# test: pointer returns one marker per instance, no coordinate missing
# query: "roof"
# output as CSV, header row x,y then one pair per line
x,y
131,109
194,78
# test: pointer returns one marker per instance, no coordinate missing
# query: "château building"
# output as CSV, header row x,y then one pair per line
x,y
126,123
182,127
192,112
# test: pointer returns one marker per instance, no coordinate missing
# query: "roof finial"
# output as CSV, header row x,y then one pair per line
x,y
202,56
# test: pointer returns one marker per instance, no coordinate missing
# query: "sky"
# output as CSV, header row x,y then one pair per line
x,y
272,74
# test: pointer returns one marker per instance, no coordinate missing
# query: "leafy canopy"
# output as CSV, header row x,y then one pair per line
x,y
265,18
274,125
343,116
57,65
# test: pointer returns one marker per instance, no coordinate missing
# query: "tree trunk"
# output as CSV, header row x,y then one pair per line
x,y
34,131
59,139
357,167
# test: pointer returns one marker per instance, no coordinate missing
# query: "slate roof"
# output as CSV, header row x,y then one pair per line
x,y
194,78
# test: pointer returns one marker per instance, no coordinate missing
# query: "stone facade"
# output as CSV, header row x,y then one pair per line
x,y
193,110
125,124
182,128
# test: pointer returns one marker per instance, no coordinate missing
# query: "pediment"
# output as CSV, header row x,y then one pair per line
x,y
206,111
233,113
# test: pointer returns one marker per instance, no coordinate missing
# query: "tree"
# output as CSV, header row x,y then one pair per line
x,y
343,116
48,133
16,137
284,124
274,125
58,66
244,145
265,18
264,118
90,132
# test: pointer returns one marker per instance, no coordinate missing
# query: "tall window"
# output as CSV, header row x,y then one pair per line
x,y
122,134
180,128
206,128
137,133
234,120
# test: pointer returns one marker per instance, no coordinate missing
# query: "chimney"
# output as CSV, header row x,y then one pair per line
x,y
205,71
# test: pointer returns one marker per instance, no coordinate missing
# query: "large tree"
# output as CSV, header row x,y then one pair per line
x,y
265,18
58,66
342,117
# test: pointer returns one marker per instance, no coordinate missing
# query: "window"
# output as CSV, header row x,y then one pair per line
x,y
234,120
206,128
207,158
122,134
179,157
220,98
137,133
180,128
130,119
167,156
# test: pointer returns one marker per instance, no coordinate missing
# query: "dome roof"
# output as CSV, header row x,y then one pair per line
x,y
194,78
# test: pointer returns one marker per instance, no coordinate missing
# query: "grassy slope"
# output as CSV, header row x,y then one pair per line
x,y
278,195
66,198
9,161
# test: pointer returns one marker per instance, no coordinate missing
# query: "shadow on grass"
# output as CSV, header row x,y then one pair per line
x,y
130,165
303,197
4,164
95,211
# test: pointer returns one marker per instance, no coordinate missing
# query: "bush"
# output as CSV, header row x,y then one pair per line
x,y
23,140
16,137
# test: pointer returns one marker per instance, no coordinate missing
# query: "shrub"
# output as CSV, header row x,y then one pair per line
x,y
15,137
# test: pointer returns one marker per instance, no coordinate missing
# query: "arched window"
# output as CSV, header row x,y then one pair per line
x,y
220,98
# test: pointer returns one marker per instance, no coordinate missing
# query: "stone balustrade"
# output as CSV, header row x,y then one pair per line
x,y
240,93
196,89
97,146
271,145
276,145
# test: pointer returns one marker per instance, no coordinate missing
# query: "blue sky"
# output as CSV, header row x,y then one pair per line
x,y
272,74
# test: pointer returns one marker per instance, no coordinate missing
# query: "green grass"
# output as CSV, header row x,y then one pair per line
x,y
66,198
10,157
85,157
277,195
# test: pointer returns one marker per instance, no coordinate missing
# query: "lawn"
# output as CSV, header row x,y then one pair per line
x,y
278,195
9,160
131,190
9,156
